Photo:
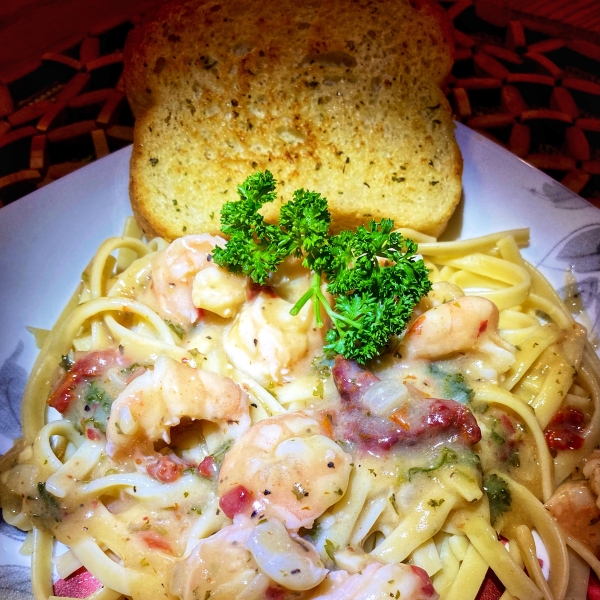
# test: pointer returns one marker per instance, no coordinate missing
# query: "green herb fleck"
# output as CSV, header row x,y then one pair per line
x,y
299,491
479,408
219,454
498,494
496,437
50,502
447,456
312,533
515,459
96,395
330,548
454,385
319,390
66,362
176,329
130,368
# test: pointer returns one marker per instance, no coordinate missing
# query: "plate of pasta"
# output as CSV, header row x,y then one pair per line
x,y
182,435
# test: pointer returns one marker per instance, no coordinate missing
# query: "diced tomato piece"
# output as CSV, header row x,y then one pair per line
x,y
63,395
563,432
491,588
568,416
507,424
593,591
415,421
164,469
93,434
274,593
79,584
560,438
208,467
94,364
156,541
235,501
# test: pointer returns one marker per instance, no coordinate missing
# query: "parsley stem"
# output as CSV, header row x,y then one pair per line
x,y
310,292
334,316
314,292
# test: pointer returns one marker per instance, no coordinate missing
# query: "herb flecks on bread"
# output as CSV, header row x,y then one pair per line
x,y
339,96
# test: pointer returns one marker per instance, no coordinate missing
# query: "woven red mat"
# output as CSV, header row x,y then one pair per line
x,y
535,93
525,87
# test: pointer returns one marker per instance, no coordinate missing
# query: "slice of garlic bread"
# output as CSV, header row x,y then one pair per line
x,y
337,96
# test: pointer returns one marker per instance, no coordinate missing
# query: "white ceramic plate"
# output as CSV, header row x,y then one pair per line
x,y
47,239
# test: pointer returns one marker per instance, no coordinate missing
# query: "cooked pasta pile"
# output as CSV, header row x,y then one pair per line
x,y
204,447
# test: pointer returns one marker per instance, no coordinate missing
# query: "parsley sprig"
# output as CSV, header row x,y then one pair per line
x,y
372,273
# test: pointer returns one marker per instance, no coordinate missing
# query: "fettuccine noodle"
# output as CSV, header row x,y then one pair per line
x,y
203,436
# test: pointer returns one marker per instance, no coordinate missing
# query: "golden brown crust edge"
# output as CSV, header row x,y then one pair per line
x,y
142,101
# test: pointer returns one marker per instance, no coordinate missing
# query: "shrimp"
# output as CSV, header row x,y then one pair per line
x,y
573,505
576,504
591,471
284,467
185,279
462,325
265,341
248,562
377,581
149,406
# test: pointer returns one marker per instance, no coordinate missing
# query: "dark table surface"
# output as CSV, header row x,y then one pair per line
x,y
528,78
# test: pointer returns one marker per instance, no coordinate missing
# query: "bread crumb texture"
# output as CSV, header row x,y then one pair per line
x,y
342,97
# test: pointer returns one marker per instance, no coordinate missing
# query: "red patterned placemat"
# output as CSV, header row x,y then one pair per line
x,y
532,87
63,111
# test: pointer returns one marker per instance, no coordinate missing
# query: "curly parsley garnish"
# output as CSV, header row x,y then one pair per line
x,y
372,273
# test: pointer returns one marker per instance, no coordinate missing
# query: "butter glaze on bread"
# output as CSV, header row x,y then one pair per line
x,y
336,96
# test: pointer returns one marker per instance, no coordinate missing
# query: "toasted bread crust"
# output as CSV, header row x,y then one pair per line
x,y
336,96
